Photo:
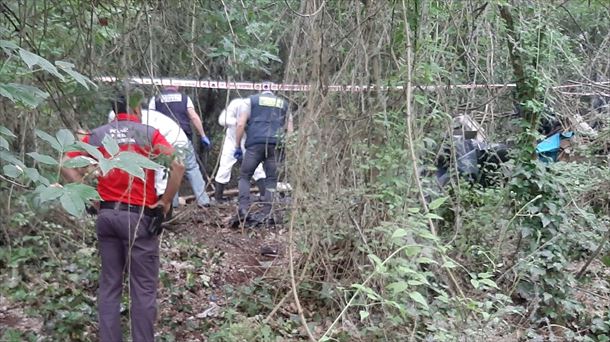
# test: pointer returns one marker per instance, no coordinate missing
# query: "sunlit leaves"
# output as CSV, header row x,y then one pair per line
x,y
43,158
68,68
65,138
4,144
23,94
417,297
79,161
32,60
6,132
437,203
111,145
72,196
52,141
50,193
28,95
73,204
91,150
12,171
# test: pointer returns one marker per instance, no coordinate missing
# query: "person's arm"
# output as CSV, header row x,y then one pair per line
x,y
72,175
162,146
173,183
228,117
289,124
196,120
242,120
152,104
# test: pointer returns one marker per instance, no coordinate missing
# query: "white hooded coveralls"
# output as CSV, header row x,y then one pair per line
x,y
228,119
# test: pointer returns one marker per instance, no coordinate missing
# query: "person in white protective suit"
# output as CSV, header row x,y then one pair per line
x,y
228,119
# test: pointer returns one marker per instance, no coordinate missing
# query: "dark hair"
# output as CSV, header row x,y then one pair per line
x,y
124,104
119,105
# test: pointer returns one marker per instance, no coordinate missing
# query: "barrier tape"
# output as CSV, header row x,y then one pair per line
x,y
303,87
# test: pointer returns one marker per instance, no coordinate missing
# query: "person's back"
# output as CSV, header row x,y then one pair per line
x,y
180,108
172,132
131,135
267,119
174,104
228,116
127,222
228,119
264,118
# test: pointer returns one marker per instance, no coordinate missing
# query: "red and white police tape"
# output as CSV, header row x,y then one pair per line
x,y
305,87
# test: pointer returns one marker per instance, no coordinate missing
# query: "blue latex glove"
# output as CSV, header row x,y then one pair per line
x,y
206,142
238,154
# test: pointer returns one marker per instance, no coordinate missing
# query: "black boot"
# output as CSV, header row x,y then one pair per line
x,y
261,188
218,191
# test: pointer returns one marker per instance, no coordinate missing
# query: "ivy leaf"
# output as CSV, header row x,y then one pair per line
x,y
416,296
434,216
6,132
367,290
138,159
398,287
65,138
72,203
4,144
489,283
398,233
84,191
130,168
50,193
74,197
50,139
43,158
32,59
23,94
375,259
437,203
12,171
91,150
427,235
32,174
43,180
68,68
9,157
79,161
106,165
412,250
111,146
363,315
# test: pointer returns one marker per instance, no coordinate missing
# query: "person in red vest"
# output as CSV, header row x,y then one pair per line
x,y
125,224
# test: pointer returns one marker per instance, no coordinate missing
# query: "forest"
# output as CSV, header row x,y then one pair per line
x,y
448,171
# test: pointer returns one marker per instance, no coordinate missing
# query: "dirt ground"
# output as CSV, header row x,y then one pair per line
x,y
222,259
202,261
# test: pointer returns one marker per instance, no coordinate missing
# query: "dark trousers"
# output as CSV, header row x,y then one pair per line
x,y
256,154
126,247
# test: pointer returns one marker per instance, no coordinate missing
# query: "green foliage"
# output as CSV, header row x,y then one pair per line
x,y
474,263
31,96
73,197
58,292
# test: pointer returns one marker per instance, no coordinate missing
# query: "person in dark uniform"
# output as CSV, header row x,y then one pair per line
x,y
264,118
127,213
180,108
